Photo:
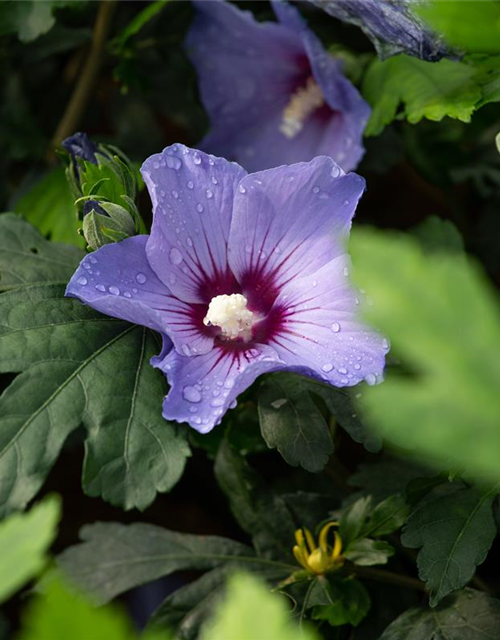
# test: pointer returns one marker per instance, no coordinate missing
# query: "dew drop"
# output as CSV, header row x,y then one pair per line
x,y
175,256
315,190
229,383
342,370
173,163
327,367
335,327
209,194
241,189
191,394
193,409
335,171
141,278
357,367
346,202
385,343
100,287
190,185
371,379
345,271
214,180
114,290
190,242
196,158
93,260
217,402
175,194
199,207
127,294
186,350
86,265
82,280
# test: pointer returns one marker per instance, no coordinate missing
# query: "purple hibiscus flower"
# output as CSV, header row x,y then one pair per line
x,y
392,25
242,274
274,96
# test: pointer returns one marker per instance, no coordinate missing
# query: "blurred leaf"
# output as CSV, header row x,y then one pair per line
x,y
28,19
259,511
470,26
455,532
419,89
113,558
250,612
349,602
436,234
27,258
367,552
444,324
25,539
59,613
79,367
49,205
468,615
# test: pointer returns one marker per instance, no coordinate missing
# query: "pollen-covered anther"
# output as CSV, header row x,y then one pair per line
x,y
230,314
302,103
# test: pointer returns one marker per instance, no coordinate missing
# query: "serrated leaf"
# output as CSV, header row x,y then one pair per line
x,y
455,533
27,258
444,324
259,511
49,206
468,615
79,367
114,558
419,89
348,602
25,539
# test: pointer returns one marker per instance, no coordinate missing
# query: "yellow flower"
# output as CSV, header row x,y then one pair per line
x,y
321,558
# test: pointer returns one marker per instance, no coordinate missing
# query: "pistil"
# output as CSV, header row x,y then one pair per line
x,y
230,314
302,103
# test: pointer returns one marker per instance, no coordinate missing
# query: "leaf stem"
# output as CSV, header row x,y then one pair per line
x,y
380,575
82,92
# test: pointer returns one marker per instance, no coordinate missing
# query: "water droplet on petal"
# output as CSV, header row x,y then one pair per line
x,y
114,290
100,287
175,194
196,158
175,256
210,194
217,402
335,327
214,180
173,162
315,190
93,260
342,370
190,185
385,343
357,367
199,207
335,172
327,367
141,278
185,349
346,202
82,280
191,394
127,294
229,383
345,271
86,265
371,379
241,189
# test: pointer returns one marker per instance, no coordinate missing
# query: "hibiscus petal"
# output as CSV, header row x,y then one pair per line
x,y
118,281
192,195
322,334
290,221
202,388
342,138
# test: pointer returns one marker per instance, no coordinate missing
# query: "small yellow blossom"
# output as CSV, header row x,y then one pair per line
x,y
321,558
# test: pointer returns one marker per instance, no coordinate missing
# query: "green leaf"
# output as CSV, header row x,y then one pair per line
x,y
250,612
49,206
27,258
353,520
79,367
455,533
349,602
114,558
387,517
468,615
60,613
419,89
260,512
28,19
25,539
470,26
292,423
136,24
436,234
367,552
444,324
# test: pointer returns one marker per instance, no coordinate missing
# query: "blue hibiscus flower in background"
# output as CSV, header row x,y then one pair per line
x,y
242,274
273,95
391,25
